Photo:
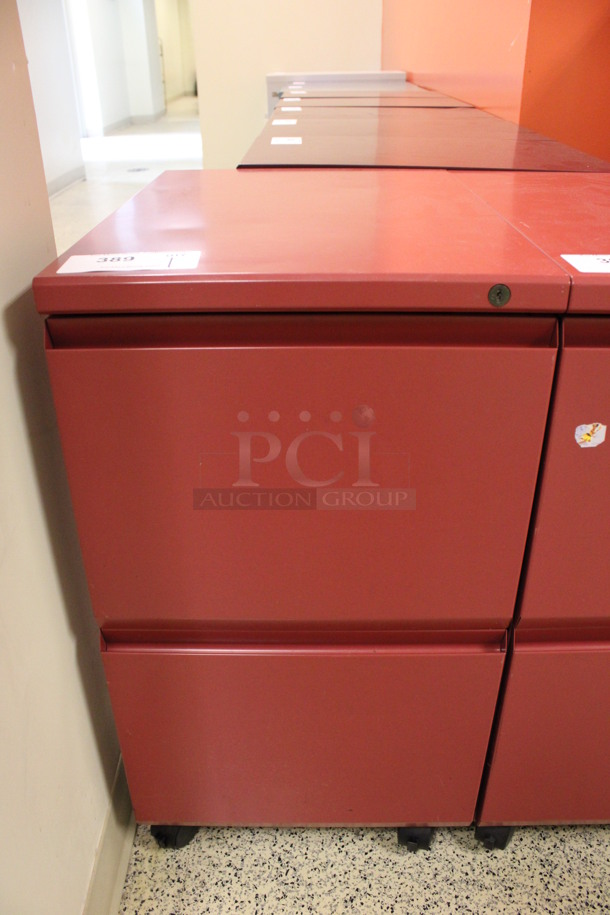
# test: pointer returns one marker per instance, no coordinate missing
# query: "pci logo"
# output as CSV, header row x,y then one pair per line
x,y
324,469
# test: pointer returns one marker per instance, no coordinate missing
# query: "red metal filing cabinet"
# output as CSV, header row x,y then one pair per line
x,y
428,123
408,90
448,138
427,100
550,760
303,473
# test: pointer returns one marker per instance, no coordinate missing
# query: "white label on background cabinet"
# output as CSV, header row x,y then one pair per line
x,y
283,122
132,261
294,108
589,263
286,141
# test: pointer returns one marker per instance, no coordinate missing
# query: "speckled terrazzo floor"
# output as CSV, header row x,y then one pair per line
x,y
334,871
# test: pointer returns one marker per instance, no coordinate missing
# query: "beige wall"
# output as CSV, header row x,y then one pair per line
x,y
471,49
189,75
175,34
58,752
237,43
168,27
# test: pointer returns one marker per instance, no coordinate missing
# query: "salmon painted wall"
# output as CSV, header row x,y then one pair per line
x,y
471,49
566,90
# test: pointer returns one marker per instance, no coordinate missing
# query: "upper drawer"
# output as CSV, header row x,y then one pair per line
x,y
569,575
287,471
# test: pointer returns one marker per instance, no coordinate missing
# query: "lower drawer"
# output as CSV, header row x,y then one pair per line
x,y
551,760
383,735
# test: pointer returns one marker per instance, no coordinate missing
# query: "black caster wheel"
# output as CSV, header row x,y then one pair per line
x,y
173,836
494,837
415,837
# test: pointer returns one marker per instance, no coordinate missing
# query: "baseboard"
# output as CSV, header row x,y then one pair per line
x,y
134,119
116,125
113,852
139,119
65,180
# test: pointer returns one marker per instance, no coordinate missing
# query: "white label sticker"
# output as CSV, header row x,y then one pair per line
x,y
295,108
286,141
126,262
589,263
283,122
289,98
590,435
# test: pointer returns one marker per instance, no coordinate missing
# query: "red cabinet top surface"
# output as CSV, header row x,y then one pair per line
x,y
409,90
563,214
349,240
427,100
420,123
455,138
